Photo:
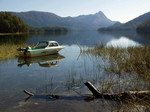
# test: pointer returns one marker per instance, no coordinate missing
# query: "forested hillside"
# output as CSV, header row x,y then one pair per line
x,y
11,24
144,27
48,30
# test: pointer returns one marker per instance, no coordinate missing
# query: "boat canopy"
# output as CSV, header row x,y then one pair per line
x,y
41,45
44,44
53,43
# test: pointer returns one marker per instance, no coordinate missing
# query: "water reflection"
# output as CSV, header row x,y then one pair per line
x,y
122,42
84,38
14,39
90,38
69,76
43,61
131,35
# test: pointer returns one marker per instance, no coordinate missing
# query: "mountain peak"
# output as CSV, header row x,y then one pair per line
x,y
100,13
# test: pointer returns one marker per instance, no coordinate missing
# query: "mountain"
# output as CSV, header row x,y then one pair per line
x,y
144,28
131,25
95,20
38,19
46,19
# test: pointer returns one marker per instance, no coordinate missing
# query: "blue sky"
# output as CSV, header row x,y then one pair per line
x,y
121,10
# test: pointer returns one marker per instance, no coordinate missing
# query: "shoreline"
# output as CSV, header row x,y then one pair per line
x,y
1,34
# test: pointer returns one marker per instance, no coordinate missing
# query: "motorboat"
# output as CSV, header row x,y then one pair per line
x,y
40,49
42,61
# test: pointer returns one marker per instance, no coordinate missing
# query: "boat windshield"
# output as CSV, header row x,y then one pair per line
x,y
53,44
41,45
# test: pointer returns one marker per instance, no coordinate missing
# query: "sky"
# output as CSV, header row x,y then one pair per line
x,y
118,10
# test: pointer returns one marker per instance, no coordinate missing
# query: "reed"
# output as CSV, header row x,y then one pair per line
x,y
123,60
8,51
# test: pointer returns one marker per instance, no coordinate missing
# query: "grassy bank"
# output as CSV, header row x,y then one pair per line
x,y
123,60
8,50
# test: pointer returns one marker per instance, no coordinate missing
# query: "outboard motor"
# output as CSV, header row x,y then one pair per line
x,y
24,49
21,49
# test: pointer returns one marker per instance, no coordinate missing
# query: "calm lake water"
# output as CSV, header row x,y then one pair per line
x,y
64,74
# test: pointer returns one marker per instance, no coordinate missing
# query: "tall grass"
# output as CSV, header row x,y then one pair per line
x,y
124,60
9,50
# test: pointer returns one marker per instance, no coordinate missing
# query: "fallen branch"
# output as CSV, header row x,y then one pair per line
x,y
28,93
39,96
131,95
119,96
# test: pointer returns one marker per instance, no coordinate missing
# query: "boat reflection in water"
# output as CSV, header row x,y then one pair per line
x,y
43,61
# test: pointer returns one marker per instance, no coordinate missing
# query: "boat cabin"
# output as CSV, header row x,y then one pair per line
x,y
44,44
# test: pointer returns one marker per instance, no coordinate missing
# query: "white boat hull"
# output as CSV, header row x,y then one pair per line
x,y
40,52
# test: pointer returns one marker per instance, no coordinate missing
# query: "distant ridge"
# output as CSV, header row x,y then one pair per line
x,y
130,25
37,18
47,19
133,24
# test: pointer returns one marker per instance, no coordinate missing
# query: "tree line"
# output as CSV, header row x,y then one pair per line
x,y
52,30
11,24
144,27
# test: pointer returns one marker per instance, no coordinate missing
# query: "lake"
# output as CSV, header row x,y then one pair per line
x,y
64,74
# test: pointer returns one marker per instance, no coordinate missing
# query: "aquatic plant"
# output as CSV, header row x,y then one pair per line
x,y
9,50
124,60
